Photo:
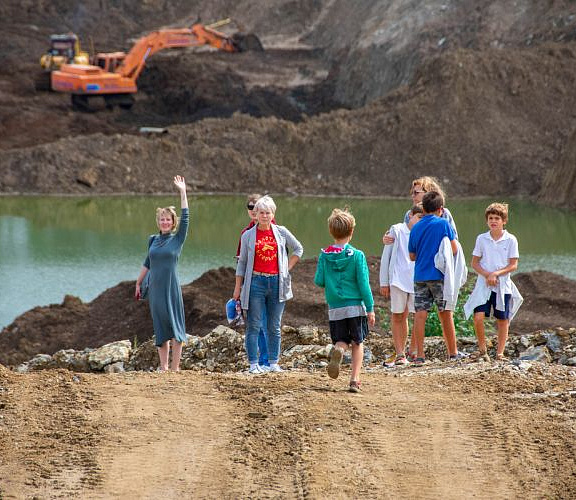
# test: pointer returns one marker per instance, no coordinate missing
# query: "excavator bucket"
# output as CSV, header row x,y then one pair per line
x,y
247,42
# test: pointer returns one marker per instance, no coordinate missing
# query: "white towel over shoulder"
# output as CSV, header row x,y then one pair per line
x,y
454,269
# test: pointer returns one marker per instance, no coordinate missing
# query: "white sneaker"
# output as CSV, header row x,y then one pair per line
x,y
255,370
275,368
264,368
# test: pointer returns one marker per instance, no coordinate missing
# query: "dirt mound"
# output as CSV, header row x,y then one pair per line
x,y
486,89
114,315
486,123
550,301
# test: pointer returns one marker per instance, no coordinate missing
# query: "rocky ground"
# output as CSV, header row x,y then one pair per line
x,y
481,430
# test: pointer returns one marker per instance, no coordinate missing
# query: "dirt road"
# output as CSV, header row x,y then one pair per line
x,y
441,431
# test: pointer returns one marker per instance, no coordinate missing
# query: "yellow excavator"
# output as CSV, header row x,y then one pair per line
x,y
64,49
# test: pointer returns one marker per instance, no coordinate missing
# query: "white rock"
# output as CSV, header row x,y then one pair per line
x,y
110,353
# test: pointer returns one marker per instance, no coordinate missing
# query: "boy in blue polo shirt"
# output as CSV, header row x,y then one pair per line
x,y
423,245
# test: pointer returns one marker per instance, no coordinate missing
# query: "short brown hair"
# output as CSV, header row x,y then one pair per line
x,y
432,201
341,223
417,209
500,209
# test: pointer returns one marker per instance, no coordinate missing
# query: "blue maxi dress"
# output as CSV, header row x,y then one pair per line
x,y
165,294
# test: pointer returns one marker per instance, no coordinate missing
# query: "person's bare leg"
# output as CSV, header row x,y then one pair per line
x,y
449,331
502,335
412,349
418,332
163,353
479,329
399,332
176,355
357,358
405,330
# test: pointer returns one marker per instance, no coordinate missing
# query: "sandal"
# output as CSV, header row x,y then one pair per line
x,y
354,386
389,362
336,355
501,357
419,361
401,360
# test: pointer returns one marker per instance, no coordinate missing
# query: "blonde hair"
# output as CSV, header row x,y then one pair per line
x,y
160,211
500,209
427,184
341,223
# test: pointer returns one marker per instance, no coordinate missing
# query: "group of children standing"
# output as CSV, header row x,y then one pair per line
x,y
422,264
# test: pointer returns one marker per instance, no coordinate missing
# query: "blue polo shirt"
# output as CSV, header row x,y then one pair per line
x,y
424,241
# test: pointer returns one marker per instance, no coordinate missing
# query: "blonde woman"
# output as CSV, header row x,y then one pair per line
x,y
165,294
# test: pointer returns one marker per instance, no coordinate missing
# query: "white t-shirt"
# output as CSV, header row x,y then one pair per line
x,y
403,269
496,254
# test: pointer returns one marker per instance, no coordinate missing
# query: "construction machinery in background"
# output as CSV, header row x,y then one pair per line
x,y
64,49
112,76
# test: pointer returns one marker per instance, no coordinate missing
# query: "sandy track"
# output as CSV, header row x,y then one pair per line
x,y
435,432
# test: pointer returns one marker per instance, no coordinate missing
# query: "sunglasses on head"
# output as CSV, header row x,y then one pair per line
x,y
250,206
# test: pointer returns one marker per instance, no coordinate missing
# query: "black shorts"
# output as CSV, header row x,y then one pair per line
x,y
491,305
349,330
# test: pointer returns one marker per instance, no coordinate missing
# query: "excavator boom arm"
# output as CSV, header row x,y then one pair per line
x,y
171,38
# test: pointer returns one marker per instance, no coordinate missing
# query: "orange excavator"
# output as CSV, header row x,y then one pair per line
x,y
113,75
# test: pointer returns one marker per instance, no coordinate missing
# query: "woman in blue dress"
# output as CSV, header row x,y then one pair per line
x,y
165,294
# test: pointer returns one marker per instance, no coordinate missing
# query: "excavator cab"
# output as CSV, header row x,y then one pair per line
x,y
109,61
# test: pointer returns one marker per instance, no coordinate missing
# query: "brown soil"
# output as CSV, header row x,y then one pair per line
x,y
477,94
550,301
431,432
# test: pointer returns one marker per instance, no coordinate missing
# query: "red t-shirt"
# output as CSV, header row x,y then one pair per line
x,y
266,252
249,226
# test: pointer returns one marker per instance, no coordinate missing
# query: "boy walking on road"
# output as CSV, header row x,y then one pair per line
x,y
423,245
343,273
494,257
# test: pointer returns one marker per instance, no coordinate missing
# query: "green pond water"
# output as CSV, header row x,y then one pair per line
x,y
52,246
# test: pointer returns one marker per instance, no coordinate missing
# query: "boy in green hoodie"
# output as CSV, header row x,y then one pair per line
x,y
343,273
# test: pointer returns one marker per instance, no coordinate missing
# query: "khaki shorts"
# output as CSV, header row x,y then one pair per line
x,y
399,300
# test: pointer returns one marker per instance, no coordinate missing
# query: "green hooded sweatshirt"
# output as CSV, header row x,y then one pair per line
x,y
343,273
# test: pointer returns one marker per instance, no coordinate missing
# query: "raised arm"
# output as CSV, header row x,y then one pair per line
x,y
180,184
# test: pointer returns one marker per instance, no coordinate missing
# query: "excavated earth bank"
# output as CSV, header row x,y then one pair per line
x,y
479,94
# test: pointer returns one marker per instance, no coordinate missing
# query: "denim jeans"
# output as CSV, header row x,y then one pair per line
x,y
264,299
263,342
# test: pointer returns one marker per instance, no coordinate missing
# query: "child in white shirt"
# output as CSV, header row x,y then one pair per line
x,y
397,280
494,257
